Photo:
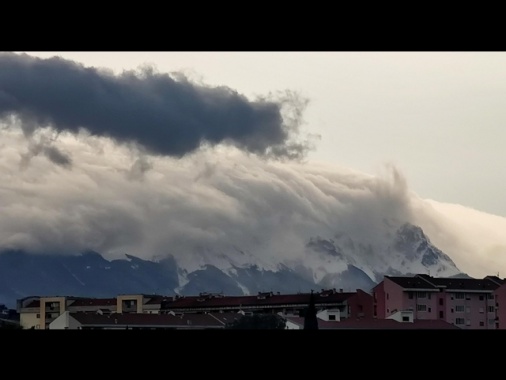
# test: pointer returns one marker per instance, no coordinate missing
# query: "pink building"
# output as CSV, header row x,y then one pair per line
x,y
500,299
464,302
360,305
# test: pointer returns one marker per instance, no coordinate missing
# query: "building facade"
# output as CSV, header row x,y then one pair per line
x,y
467,303
357,304
40,312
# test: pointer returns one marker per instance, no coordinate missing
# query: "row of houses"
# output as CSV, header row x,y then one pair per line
x,y
419,302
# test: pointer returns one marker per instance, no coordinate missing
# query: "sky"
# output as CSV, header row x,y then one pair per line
x,y
424,125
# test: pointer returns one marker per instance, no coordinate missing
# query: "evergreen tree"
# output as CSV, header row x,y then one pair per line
x,y
310,319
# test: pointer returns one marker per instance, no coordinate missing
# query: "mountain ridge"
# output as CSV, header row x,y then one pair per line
x,y
337,262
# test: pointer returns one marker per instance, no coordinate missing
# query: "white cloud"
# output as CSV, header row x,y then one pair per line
x,y
116,200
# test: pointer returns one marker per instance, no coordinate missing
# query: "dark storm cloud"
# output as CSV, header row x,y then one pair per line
x,y
165,115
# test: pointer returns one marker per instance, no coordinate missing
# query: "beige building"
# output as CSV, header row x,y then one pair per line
x,y
39,312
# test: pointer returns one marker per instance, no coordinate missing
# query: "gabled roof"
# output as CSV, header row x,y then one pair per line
x,y
497,280
412,282
145,320
377,324
426,282
465,284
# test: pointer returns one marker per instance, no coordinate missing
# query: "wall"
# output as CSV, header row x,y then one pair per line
x,y
361,305
500,299
29,320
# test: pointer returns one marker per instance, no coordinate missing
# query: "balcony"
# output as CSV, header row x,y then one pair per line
x,y
129,307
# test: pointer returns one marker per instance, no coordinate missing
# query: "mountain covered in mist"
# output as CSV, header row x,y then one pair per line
x,y
337,262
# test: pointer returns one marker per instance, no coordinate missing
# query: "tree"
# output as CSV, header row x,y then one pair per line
x,y
310,319
9,326
258,322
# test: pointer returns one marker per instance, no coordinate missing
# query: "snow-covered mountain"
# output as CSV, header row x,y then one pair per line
x,y
337,262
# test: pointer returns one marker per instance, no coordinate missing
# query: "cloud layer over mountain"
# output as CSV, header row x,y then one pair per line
x,y
116,200
153,165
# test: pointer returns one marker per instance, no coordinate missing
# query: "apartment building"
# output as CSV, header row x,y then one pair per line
x,y
38,312
343,305
467,303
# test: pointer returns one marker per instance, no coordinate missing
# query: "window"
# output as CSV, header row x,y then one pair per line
x,y
410,295
482,324
441,314
490,296
481,299
388,296
405,319
332,317
38,315
468,296
468,322
459,296
428,295
459,308
491,321
422,294
459,321
441,301
481,310
468,310
421,307
430,309
451,310
491,309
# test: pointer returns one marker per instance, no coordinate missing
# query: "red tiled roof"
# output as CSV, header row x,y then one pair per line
x,y
160,320
373,323
195,302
